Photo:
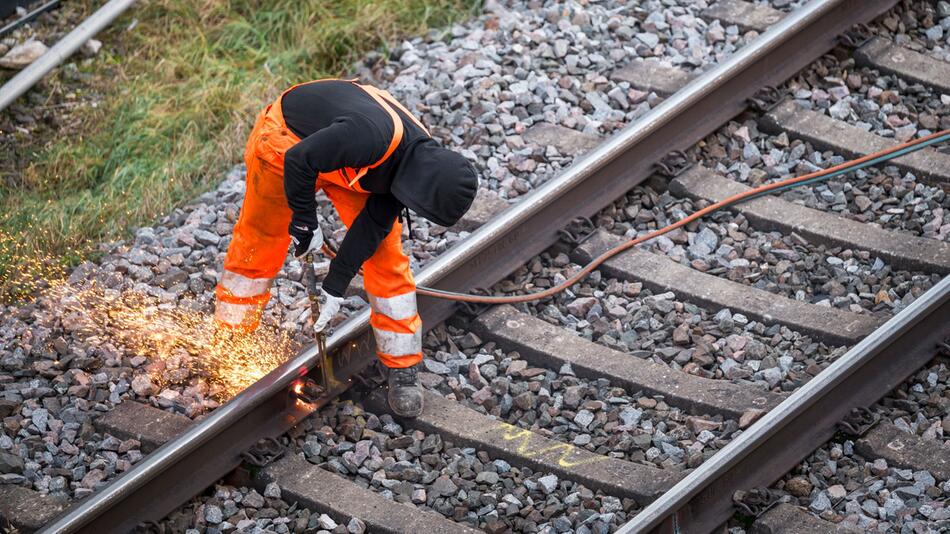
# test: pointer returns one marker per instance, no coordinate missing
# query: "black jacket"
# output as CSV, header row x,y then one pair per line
x,y
340,125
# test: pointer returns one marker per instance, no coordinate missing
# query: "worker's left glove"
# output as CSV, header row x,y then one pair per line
x,y
329,306
305,240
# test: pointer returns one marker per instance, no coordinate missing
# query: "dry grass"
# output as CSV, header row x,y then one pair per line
x,y
186,88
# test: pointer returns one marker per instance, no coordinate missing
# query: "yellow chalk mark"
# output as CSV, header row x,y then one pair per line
x,y
562,451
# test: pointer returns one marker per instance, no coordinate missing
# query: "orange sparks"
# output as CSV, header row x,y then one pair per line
x,y
24,272
181,343
180,340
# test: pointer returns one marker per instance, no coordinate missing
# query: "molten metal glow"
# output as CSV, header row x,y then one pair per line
x,y
182,344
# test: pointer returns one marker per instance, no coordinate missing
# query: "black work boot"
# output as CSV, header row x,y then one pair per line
x,y
405,394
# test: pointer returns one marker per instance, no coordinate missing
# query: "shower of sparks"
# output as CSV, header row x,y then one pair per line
x,y
176,338
24,272
181,342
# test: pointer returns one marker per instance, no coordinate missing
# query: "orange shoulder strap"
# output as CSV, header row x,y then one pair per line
x,y
397,123
386,101
389,98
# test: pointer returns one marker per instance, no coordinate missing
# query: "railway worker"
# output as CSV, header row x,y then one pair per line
x,y
373,160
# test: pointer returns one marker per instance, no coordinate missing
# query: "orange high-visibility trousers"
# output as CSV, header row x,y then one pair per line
x,y
260,240
389,285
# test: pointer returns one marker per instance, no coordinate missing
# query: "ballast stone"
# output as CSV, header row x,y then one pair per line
x,y
22,55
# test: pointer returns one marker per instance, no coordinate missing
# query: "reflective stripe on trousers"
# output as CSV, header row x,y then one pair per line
x,y
388,281
395,344
240,300
239,316
242,286
260,239
399,307
397,328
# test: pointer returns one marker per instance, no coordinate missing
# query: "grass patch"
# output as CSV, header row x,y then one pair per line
x,y
191,77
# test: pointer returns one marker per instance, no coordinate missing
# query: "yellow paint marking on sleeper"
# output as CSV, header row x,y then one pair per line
x,y
563,450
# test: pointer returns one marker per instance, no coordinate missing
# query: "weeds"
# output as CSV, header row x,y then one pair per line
x,y
183,96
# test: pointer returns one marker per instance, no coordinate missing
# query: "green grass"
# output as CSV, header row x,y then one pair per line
x,y
178,107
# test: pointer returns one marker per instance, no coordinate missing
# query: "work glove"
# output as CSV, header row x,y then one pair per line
x,y
329,306
305,240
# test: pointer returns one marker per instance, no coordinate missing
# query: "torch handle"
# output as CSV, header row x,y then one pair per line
x,y
310,274
311,280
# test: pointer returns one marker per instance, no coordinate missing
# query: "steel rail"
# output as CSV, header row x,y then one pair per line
x,y
772,446
48,6
27,78
189,463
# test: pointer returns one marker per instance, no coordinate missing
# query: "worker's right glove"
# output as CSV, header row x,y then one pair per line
x,y
329,306
305,240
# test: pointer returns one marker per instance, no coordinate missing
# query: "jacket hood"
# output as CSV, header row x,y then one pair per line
x,y
435,182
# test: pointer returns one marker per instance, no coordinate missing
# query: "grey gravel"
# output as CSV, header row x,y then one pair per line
x,y
709,343
586,413
726,245
480,85
880,103
886,197
921,25
842,487
461,483
921,405
227,508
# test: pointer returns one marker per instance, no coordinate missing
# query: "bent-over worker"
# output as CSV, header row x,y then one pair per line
x,y
372,159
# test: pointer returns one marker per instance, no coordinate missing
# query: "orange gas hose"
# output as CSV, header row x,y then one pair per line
x,y
734,199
